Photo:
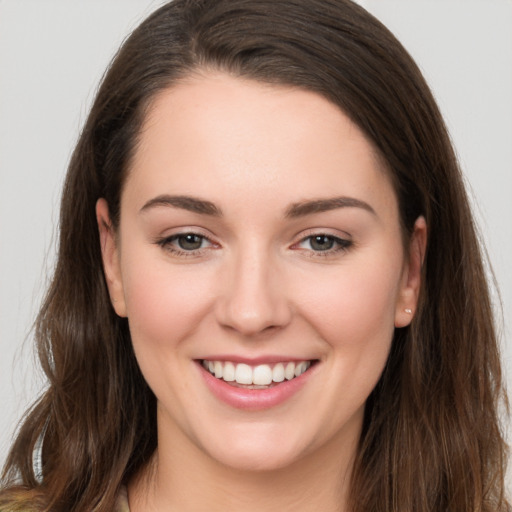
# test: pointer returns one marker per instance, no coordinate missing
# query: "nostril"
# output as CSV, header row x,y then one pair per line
x,y
251,298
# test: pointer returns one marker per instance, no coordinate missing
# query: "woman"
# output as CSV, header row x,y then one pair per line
x,y
269,292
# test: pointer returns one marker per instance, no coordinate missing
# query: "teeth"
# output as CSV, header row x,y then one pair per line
x,y
300,368
278,373
217,367
243,374
261,375
289,371
229,372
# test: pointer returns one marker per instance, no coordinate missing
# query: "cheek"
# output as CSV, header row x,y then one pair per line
x,y
353,313
164,302
353,306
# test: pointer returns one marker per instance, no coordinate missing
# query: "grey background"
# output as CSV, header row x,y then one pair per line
x,y
52,56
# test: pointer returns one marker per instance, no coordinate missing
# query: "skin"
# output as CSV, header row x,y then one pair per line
x,y
257,287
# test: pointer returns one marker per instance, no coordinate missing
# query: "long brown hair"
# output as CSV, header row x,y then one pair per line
x,y
431,439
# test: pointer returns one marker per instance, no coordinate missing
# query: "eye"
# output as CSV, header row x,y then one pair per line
x,y
185,244
323,243
189,241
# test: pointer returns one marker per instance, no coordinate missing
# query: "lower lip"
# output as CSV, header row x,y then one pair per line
x,y
254,399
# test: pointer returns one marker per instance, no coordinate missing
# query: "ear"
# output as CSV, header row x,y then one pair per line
x,y
110,256
411,279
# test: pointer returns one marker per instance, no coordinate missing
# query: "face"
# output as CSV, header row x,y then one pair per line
x,y
260,263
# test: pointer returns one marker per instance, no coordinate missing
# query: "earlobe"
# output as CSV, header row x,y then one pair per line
x,y
110,257
411,280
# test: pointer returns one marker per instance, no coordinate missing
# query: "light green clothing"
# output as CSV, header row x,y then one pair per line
x,y
122,501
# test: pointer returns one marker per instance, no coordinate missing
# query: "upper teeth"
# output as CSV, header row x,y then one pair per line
x,y
261,375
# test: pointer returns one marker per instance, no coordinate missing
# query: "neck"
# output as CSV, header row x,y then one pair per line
x,y
182,478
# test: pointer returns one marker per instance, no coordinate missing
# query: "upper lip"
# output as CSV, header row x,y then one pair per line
x,y
254,361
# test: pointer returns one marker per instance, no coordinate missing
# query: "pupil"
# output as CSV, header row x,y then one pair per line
x,y
190,242
322,243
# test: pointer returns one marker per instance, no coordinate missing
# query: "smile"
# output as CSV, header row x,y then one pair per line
x,y
257,386
260,375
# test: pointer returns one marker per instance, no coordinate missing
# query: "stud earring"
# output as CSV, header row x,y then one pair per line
x,y
408,311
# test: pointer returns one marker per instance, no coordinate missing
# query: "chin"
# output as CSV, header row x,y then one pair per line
x,y
260,450
253,460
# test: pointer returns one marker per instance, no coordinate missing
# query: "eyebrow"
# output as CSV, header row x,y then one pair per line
x,y
323,205
296,210
191,204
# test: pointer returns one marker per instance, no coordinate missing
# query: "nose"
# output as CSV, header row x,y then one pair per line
x,y
253,297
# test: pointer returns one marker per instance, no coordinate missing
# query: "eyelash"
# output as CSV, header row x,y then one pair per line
x,y
340,244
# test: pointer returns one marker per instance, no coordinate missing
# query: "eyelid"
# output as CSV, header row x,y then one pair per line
x,y
335,233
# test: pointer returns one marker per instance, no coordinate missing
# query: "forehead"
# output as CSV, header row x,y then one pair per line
x,y
219,135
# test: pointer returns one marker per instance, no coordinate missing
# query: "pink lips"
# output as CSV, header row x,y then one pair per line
x,y
253,399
